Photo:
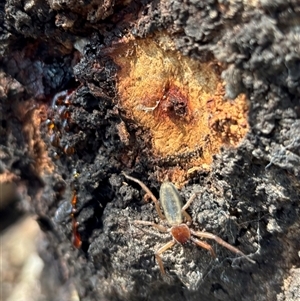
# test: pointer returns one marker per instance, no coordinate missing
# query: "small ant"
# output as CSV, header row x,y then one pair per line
x,y
174,212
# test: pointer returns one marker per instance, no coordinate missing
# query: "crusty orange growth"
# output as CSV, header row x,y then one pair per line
x,y
32,114
179,100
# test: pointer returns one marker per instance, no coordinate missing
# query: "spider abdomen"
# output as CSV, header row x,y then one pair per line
x,y
171,202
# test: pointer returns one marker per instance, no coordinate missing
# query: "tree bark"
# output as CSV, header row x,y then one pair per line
x,y
203,94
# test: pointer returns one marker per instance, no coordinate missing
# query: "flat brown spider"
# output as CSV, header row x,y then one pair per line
x,y
175,213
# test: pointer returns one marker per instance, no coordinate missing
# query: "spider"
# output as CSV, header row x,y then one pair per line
x,y
175,213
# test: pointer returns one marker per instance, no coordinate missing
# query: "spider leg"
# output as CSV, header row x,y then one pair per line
x,y
187,217
164,248
187,205
204,245
221,242
148,192
158,227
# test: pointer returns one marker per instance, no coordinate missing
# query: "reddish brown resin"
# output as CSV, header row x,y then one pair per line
x,y
181,233
76,239
174,102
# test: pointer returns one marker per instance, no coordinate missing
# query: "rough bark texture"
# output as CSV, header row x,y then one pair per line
x,y
54,148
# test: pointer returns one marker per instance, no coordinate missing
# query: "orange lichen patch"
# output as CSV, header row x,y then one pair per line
x,y
179,100
32,114
7,177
